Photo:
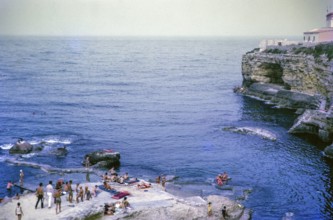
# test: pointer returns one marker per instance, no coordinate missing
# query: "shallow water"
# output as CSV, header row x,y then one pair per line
x,y
163,104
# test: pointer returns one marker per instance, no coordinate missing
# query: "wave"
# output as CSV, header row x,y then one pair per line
x,y
6,146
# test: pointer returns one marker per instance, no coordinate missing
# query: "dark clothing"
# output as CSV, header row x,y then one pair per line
x,y
224,212
40,198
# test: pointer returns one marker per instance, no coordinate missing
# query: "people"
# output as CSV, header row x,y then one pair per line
x,y
158,179
18,211
87,193
57,196
209,209
87,162
163,183
95,191
9,188
107,186
224,212
126,176
40,195
80,195
219,180
70,191
112,171
125,204
21,177
49,193
224,176
143,185
109,209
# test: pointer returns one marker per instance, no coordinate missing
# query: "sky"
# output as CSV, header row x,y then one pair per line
x,y
161,17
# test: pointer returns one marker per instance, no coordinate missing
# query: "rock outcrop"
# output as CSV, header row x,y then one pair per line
x,y
21,147
103,159
296,77
253,131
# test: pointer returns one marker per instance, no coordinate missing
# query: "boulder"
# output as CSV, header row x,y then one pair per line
x,y
103,159
314,122
60,151
21,147
328,151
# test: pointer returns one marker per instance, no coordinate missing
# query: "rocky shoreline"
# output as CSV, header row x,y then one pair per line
x,y
298,77
150,203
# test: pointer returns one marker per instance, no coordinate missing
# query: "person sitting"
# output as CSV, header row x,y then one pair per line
x,y
109,209
107,186
125,204
126,176
224,176
106,177
121,180
114,177
112,171
219,180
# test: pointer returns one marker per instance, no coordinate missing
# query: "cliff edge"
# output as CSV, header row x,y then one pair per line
x,y
299,77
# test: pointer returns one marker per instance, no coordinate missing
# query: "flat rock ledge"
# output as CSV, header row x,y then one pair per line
x,y
152,203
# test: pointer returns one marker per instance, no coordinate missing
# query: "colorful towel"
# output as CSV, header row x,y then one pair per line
x,y
120,195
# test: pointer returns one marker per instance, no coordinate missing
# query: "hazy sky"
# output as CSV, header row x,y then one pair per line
x,y
161,17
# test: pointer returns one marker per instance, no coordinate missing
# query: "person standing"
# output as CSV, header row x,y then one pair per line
x,y
9,188
18,211
21,177
40,195
49,193
87,163
209,209
224,212
163,183
57,196
70,191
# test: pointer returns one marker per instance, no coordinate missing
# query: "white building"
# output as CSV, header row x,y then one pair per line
x,y
319,35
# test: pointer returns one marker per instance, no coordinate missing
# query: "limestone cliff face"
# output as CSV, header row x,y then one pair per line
x,y
300,73
302,81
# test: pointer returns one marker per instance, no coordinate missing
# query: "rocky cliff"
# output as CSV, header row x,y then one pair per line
x,y
297,77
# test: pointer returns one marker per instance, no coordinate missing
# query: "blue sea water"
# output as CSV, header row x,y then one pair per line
x,y
163,104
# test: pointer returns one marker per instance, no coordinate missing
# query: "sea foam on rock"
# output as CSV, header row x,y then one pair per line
x,y
253,131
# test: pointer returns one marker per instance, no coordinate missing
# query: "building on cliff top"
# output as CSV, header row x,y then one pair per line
x,y
319,35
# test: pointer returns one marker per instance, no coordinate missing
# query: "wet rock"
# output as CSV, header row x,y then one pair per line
x,y
21,147
104,159
328,151
253,131
60,151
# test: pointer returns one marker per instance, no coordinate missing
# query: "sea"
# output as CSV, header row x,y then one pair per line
x,y
163,103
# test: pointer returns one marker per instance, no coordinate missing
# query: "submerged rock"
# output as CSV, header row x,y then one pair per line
x,y
104,159
253,131
21,147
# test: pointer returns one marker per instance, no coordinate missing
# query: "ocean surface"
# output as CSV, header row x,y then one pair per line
x,y
163,104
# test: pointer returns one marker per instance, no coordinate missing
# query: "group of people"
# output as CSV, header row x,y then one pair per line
x,y
161,180
111,208
210,211
221,178
63,188
113,176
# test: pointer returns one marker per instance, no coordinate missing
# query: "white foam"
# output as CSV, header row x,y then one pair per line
x,y
57,141
28,155
6,146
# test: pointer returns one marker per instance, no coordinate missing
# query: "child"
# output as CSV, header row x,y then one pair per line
x,y
18,211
